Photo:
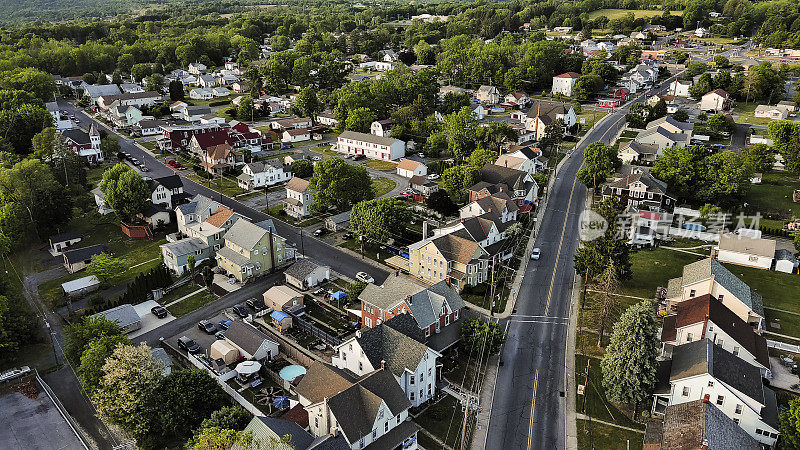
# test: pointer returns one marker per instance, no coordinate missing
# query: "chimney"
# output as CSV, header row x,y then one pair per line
x,y
408,299
706,398
424,230
447,280
383,364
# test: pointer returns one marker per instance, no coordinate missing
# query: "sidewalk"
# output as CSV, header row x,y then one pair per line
x,y
585,417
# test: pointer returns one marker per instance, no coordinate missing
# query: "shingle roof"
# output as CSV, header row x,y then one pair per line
x,y
496,203
495,174
76,135
63,237
623,180
169,182
199,203
703,356
245,234
301,269
393,291
84,253
426,305
408,164
219,217
398,351
699,309
550,110
130,96
370,138
691,425
185,246
323,381
245,336
297,184
751,246
301,439
456,248
704,269
123,315
640,148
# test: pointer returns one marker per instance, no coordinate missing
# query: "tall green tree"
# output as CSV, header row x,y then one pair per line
x,y
629,364
380,219
125,190
94,358
789,425
81,333
461,129
106,267
457,179
302,168
482,335
360,120
600,162
481,157
308,103
495,135
31,186
336,183
176,92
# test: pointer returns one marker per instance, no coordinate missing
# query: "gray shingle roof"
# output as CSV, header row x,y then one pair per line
x,y
245,234
703,356
426,305
691,425
199,203
393,291
704,269
366,137
84,253
301,269
185,246
232,256
400,352
123,315
245,336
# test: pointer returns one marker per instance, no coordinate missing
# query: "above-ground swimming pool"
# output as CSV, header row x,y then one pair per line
x,y
289,373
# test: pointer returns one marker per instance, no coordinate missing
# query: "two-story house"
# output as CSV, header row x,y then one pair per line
x,y
705,317
370,146
635,151
381,127
298,198
702,370
544,113
370,412
217,159
125,116
449,257
433,308
167,191
563,84
263,173
253,249
716,101
499,205
484,230
86,145
635,186
709,276
519,185
666,132
488,95
398,346
201,238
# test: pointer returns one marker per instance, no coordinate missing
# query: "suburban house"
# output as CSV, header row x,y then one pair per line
x,y
199,143
296,135
702,370
715,101
371,146
291,124
95,91
519,185
680,88
705,317
251,343
543,113
220,92
86,145
771,112
423,185
381,127
78,258
61,120
281,298
517,98
201,94
666,132
709,276
201,232
149,127
433,308
636,186
697,424
125,116
61,242
219,158
634,151
262,173
563,84
167,191
525,158
298,198
197,210
327,118
252,249
197,68
488,95
137,99
338,222
387,346
176,254
487,230
367,411
179,137
408,168
744,250
305,274
125,316
478,111
449,257
499,208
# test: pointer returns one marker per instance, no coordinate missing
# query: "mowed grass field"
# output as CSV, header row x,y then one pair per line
x,y
638,13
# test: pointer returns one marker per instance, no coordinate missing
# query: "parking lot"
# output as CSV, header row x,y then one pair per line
x,y
149,320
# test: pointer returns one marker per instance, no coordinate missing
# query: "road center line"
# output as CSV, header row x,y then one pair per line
x,y
533,407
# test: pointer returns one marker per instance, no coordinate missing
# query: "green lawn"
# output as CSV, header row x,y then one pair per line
x,y
746,113
789,323
378,164
382,186
596,404
192,303
179,292
593,435
444,420
591,117
150,145
778,289
105,230
323,149
371,250
224,185
638,13
653,268
773,198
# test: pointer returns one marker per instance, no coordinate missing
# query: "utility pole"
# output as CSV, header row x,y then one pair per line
x,y
302,246
491,294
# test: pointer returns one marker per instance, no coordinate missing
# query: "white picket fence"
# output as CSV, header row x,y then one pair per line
x,y
784,346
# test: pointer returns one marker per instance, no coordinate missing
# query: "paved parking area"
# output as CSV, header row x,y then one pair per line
x,y
149,320
203,339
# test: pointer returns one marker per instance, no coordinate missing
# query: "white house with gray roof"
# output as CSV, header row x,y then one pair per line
x,y
709,276
305,274
396,345
702,370
263,173
371,146
125,316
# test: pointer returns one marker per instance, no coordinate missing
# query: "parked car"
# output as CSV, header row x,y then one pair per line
x,y
219,335
316,158
536,253
286,146
188,344
207,326
224,324
319,232
363,276
241,311
358,157
433,176
320,292
14,373
159,311
256,303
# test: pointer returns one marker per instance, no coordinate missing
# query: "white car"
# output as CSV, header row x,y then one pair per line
x,y
536,253
14,373
363,276
433,176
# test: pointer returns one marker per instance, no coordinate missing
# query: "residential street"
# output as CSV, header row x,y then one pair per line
x,y
528,410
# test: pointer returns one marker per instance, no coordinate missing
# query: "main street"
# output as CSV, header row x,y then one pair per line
x,y
529,408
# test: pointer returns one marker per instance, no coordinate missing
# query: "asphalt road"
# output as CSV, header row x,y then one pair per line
x,y
322,252
528,409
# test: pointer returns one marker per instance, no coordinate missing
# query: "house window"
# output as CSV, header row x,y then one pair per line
x,y
720,296
688,337
738,409
374,434
691,293
412,397
710,384
412,379
686,391
429,372
386,427
316,422
736,421
360,366
720,342
759,431
735,350
720,400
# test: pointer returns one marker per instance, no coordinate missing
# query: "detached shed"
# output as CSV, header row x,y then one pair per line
x,y
60,242
225,351
77,259
305,274
81,286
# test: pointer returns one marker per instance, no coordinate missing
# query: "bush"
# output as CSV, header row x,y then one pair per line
x,y
218,103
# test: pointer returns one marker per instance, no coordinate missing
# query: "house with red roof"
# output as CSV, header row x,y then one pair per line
x,y
563,84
